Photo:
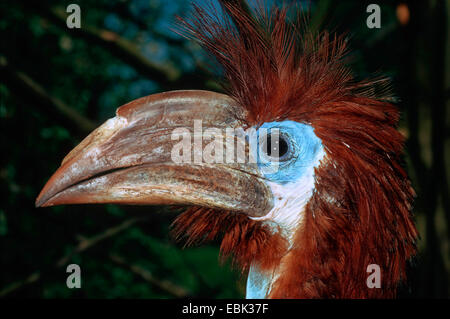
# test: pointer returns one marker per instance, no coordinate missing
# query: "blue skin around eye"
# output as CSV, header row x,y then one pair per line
x,y
305,146
307,151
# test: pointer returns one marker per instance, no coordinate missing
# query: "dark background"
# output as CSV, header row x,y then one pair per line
x,y
57,84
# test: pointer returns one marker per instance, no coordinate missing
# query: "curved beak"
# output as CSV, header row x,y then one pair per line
x,y
132,158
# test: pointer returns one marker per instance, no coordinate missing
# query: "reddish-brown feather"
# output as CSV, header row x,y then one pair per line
x,y
245,240
359,213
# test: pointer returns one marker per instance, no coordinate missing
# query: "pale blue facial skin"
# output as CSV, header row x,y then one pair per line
x,y
304,146
258,284
303,153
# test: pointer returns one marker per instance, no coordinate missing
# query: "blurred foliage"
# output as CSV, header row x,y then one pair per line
x,y
57,83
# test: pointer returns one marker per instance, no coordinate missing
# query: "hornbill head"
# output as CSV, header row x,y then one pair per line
x,y
297,167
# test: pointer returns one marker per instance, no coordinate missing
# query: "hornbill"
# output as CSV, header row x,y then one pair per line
x,y
326,195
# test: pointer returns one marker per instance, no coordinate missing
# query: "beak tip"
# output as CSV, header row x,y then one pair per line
x,y
42,201
39,202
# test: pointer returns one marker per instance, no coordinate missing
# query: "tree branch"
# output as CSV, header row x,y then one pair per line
x,y
119,46
26,87
164,285
83,245
86,243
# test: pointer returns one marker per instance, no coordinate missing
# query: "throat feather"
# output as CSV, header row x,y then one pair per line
x,y
244,240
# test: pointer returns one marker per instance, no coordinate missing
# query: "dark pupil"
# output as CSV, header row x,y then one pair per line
x,y
280,142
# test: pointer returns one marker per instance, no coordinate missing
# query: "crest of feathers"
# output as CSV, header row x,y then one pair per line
x,y
359,213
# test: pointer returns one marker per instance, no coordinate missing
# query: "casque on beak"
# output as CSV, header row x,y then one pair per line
x,y
127,160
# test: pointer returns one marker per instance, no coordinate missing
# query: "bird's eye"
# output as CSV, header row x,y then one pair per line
x,y
276,146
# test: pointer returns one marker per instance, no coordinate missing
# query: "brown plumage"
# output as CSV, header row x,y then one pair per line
x,y
359,213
